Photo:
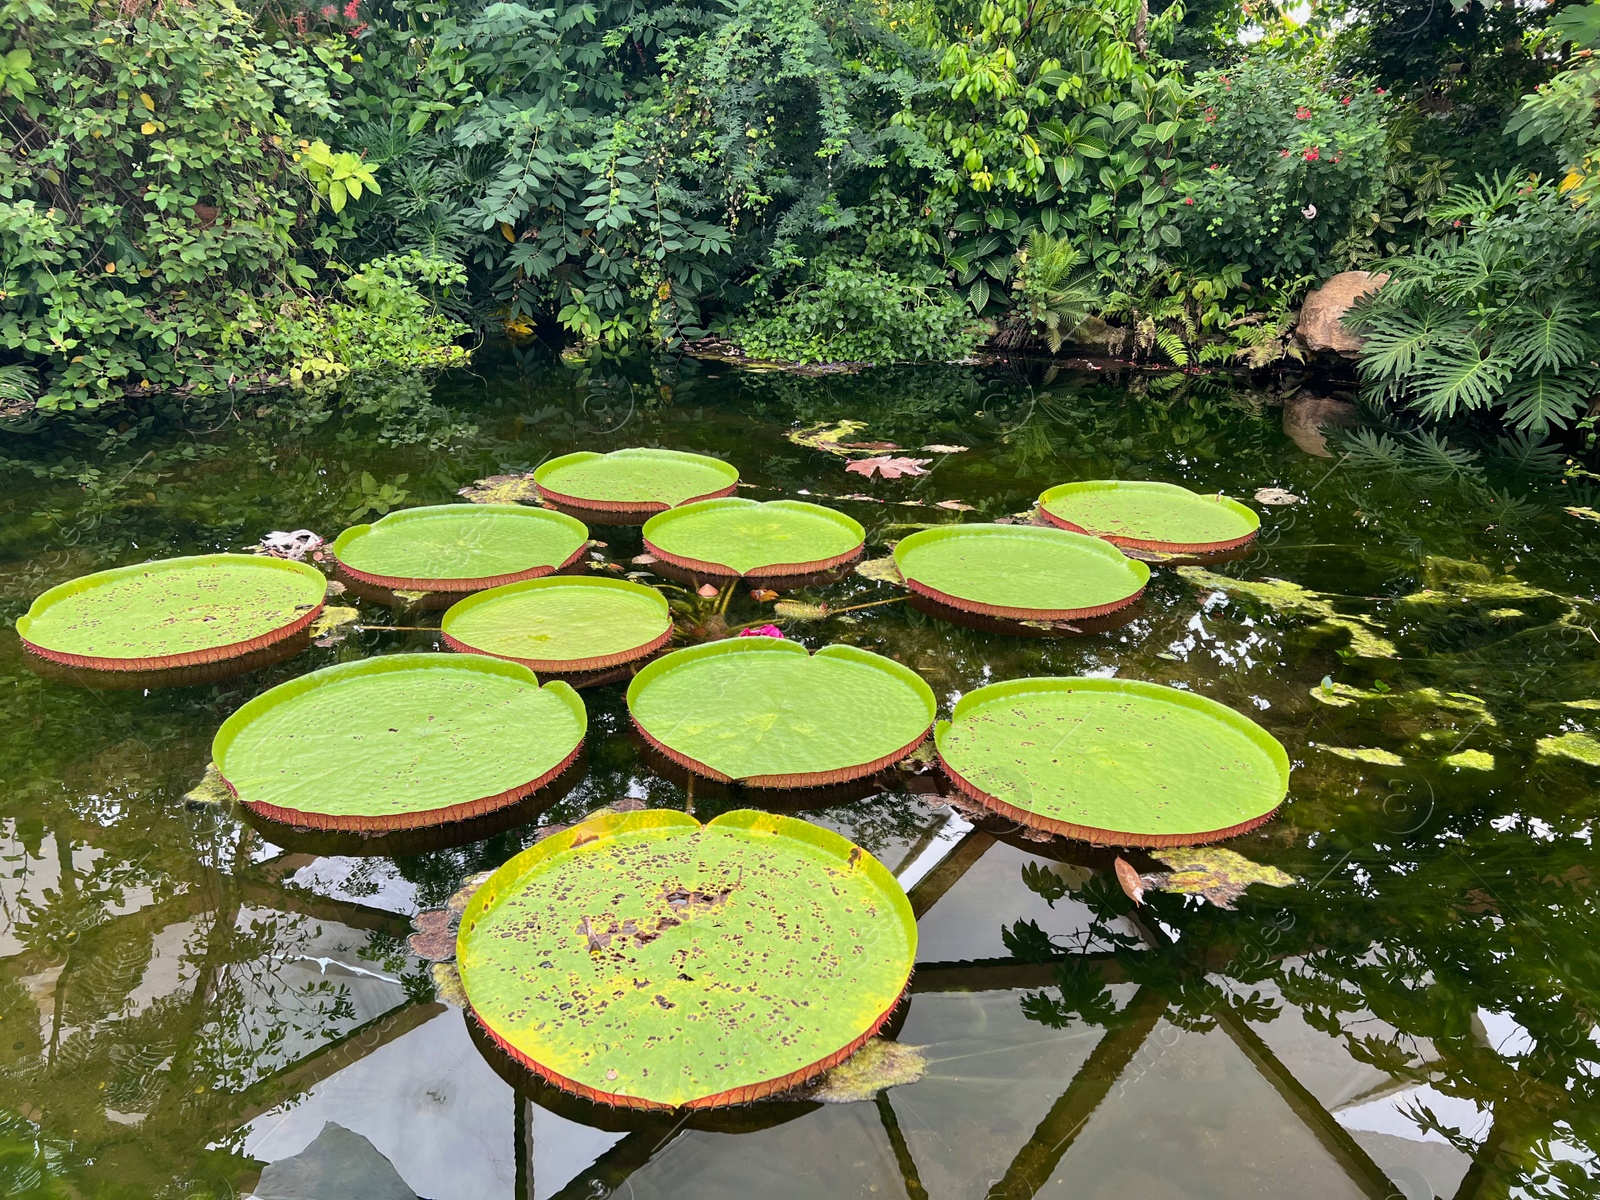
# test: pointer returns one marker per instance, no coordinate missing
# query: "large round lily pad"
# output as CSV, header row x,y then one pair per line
x,y
765,712
1114,761
633,481
460,547
646,960
1020,571
736,536
399,742
1150,516
174,612
565,623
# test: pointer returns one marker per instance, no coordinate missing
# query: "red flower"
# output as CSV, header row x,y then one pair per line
x,y
1302,113
1312,154
328,10
1213,166
1283,154
1381,92
1336,157
1345,100
1188,199
351,9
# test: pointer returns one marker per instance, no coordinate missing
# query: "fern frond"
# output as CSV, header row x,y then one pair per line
x,y
1451,383
1372,450
1397,343
1549,339
1171,345
1551,400
1433,456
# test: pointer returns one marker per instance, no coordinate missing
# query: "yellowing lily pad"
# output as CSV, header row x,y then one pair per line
x,y
174,612
764,711
567,623
634,481
645,960
460,547
735,536
1150,516
1019,571
399,742
1113,761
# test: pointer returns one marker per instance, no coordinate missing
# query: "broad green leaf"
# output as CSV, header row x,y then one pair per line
x,y
631,479
1154,516
563,623
742,537
647,960
1450,385
446,547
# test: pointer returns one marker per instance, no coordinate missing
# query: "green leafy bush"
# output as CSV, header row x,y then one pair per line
x,y
850,314
1498,315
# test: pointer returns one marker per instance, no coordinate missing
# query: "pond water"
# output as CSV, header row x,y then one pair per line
x,y
189,1008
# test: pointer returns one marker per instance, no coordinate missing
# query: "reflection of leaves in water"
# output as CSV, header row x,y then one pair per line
x,y
1027,942
1082,997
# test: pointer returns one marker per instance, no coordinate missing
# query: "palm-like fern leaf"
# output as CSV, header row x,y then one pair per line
x,y
1551,400
1448,383
1549,339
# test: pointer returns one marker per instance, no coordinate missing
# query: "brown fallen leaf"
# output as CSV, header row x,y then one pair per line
x,y
1218,874
1272,495
644,560
869,445
945,449
503,489
881,569
435,947
447,985
1132,882
889,466
953,505
762,595
463,895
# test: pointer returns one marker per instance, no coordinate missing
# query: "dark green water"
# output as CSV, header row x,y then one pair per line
x,y
183,1002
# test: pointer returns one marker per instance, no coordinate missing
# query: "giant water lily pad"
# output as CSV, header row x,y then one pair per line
x,y
174,612
646,960
736,536
1150,516
565,623
460,547
1114,761
399,742
764,711
1020,571
634,481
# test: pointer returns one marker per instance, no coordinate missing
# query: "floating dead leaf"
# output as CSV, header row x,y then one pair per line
x,y
503,489
707,590
877,1065
1582,512
762,595
210,790
1218,874
799,610
435,947
889,467
881,569
945,449
826,436
1132,882
295,545
953,505
1271,495
869,445
462,895
409,596
447,987
335,588
331,626
643,560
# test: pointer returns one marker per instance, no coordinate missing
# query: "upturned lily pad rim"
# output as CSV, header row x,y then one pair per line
x,y
416,583
810,566
1138,572
599,505
317,587
1250,521
598,662
284,693
766,645
504,882
1237,721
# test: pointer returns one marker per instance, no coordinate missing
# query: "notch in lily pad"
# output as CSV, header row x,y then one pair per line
x,y
400,742
647,961
1113,761
766,713
626,487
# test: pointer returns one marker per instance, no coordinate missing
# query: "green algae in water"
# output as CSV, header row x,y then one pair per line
x,y
567,623
455,547
399,742
1470,760
1577,747
736,536
1149,515
646,960
1294,600
634,480
1365,754
765,711
1020,571
173,612
1114,761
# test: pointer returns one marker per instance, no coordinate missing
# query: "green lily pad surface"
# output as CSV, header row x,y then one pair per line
x,y
460,547
565,623
643,959
1114,761
1020,571
399,742
736,536
1150,516
637,480
174,612
764,711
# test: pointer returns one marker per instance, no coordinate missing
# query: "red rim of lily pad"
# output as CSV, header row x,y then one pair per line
x,y
505,882
198,657
765,570
1158,545
413,583
570,669
596,507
